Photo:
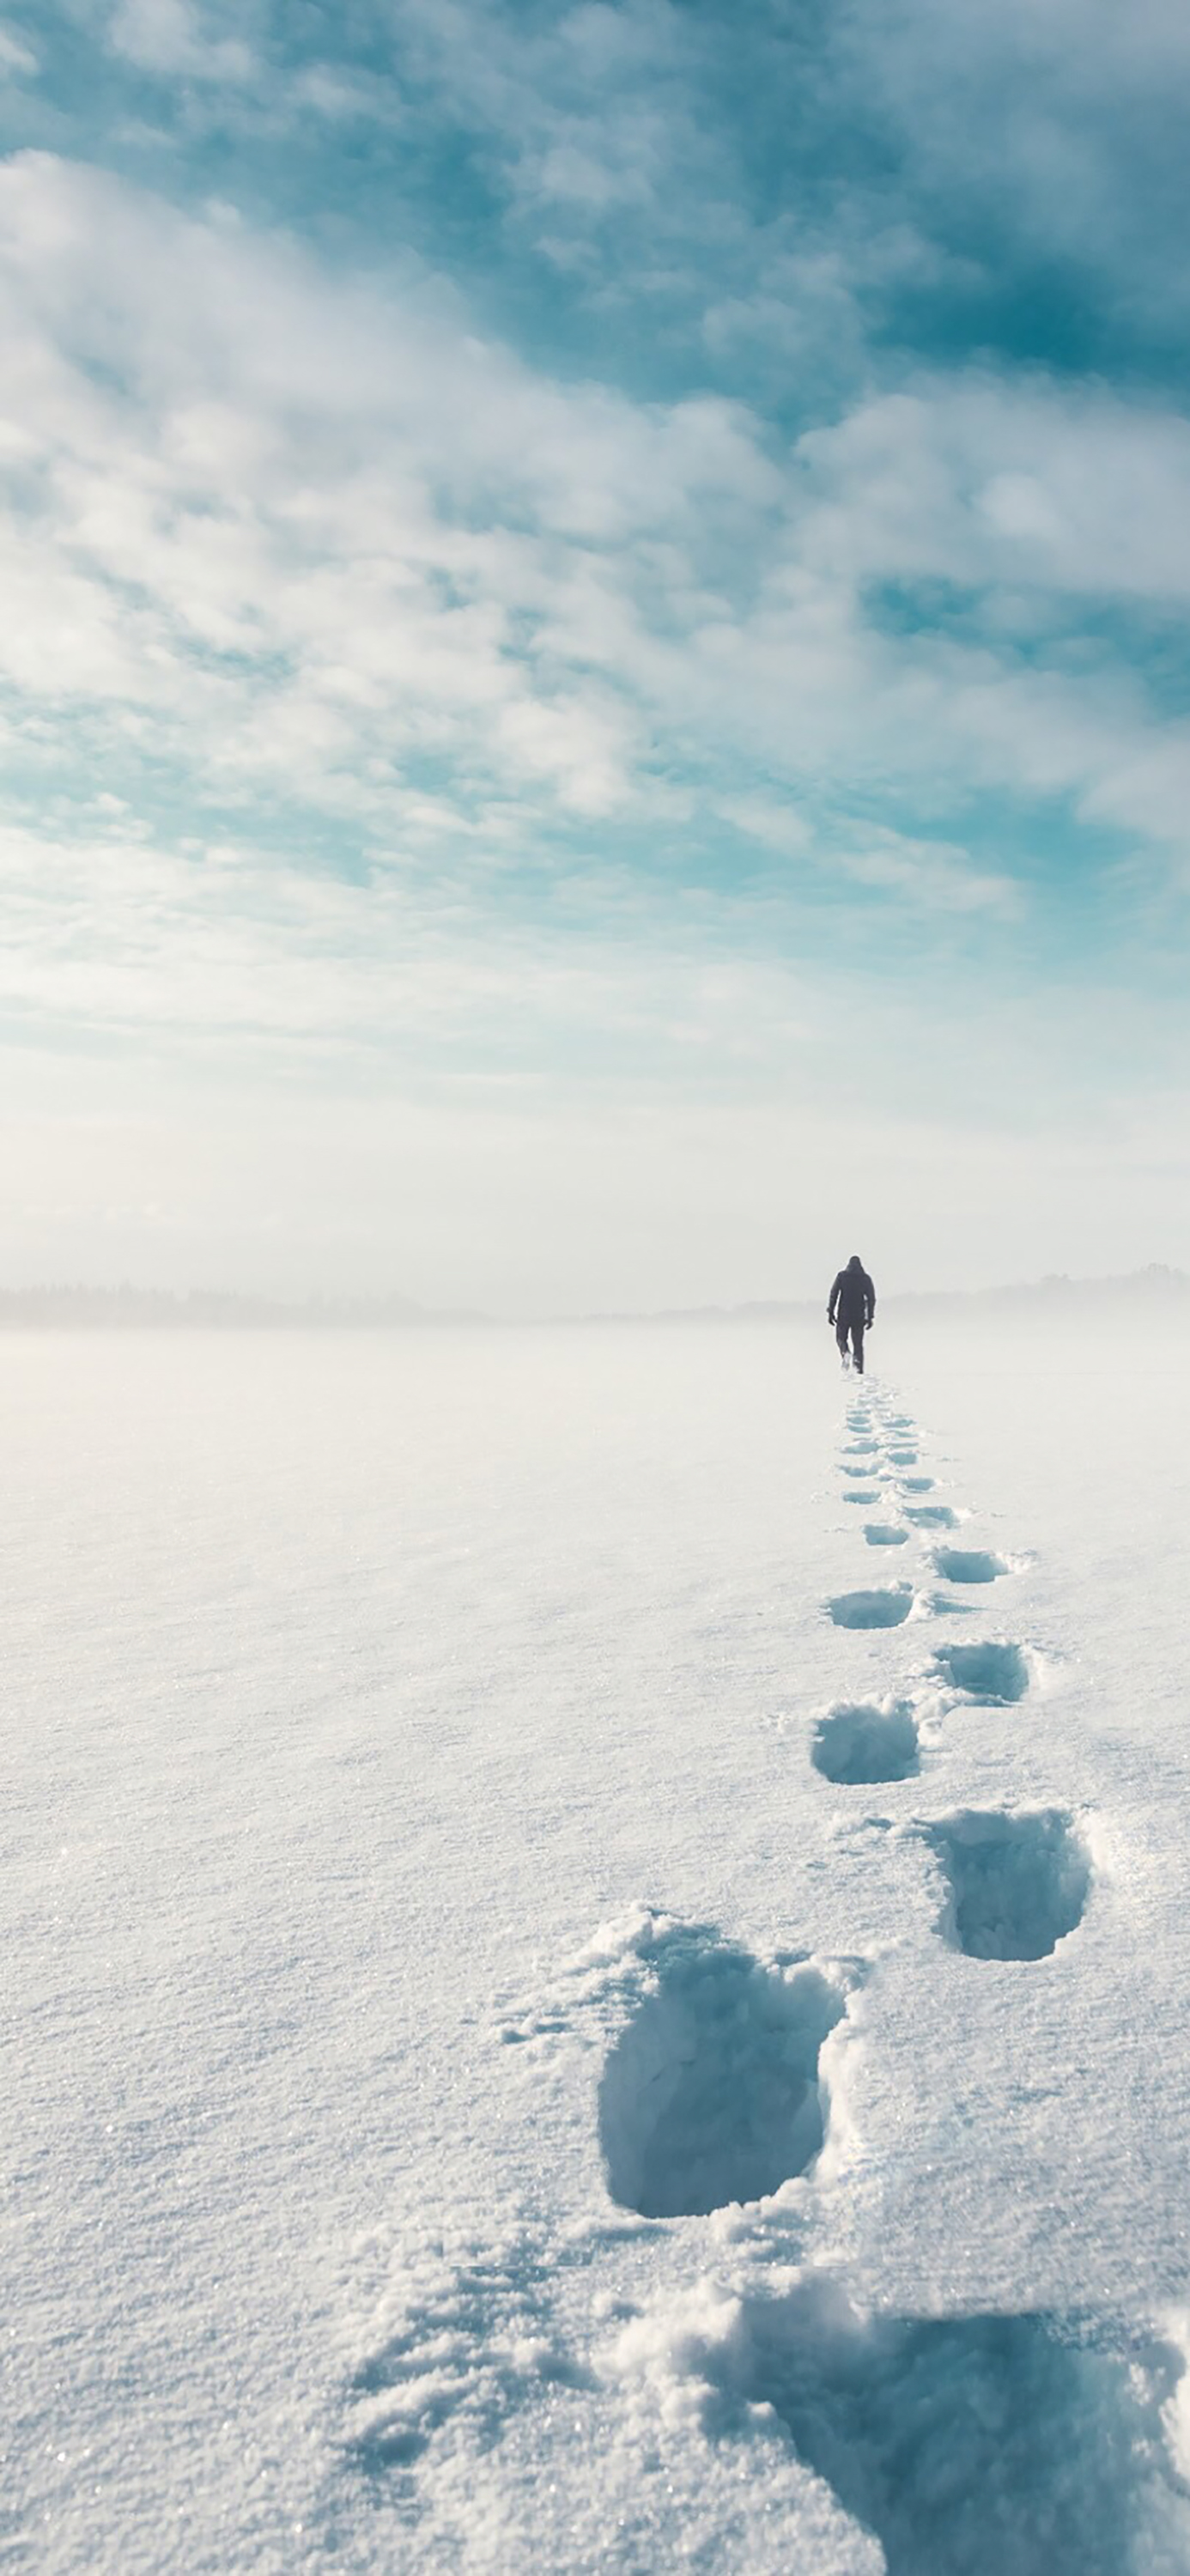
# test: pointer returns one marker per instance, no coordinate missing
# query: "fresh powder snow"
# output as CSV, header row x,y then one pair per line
x,y
598,1951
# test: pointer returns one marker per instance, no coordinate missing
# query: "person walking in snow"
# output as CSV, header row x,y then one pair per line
x,y
852,1309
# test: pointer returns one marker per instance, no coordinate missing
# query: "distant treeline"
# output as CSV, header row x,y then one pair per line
x,y
1158,1284
129,1308
1135,1287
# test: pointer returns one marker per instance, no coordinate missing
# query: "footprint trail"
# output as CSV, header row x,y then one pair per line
x,y
971,2444
974,2444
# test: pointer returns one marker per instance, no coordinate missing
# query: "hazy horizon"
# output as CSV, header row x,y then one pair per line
x,y
126,1301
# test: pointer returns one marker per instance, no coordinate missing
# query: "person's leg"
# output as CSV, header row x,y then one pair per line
x,y
857,1345
841,1339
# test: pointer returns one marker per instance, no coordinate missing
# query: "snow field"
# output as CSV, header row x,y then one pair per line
x,y
1027,2438
826,2206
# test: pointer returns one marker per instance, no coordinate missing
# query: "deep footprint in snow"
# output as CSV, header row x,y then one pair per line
x,y
863,1494
858,1744
883,1608
885,1534
969,1564
861,1448
978,2445
902,1457
865,1470
989,1671
711,2094
931,1515
1016,1885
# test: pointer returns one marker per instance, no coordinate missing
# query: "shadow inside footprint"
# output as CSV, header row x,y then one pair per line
x,y
865,1470
979,2445
931,1515
862,1494
856,1745
1016,1884
969,1564
711,2094
883,1608
885,1534
917,1484
902,1457
989,1671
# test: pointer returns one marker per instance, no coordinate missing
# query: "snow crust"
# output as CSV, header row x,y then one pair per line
x,y
535,2043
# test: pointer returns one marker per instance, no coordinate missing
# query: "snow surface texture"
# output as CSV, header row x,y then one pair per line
x,y
825,2206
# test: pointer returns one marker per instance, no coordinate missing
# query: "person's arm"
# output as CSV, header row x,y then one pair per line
x,y
830,1312
871,1300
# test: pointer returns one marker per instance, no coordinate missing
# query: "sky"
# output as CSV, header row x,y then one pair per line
x,y
594,690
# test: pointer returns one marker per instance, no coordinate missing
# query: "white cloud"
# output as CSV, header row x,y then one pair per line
x,y
317,536
17,59
935,875
779,827
586,114
938,876
172,37
979,480
300,538
113,936
217,450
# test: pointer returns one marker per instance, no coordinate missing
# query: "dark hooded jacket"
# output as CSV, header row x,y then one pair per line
x,y
853,1298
